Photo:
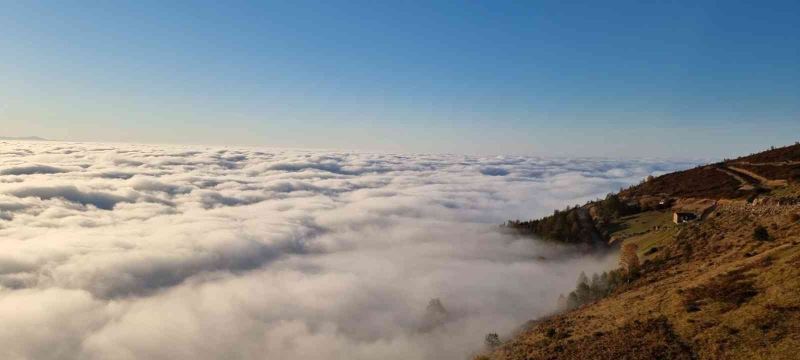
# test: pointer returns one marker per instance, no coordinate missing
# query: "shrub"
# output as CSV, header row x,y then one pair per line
x,y
760,233
492,341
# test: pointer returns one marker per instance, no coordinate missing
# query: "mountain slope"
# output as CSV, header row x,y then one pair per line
x,y
726,286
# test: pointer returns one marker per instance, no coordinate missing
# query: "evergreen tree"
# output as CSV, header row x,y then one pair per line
x,y
603,283
582,279
583,293
492,341
562,302
572,301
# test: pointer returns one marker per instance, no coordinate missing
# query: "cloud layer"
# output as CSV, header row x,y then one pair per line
x,y
135,251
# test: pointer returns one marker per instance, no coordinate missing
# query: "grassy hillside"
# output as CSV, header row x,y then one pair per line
x,y
701,182
710,291
744,178
724,287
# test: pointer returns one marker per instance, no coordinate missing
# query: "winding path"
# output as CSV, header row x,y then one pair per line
x,y
768,183
747,182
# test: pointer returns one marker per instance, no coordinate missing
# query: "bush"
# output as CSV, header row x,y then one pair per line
x,y
760,233
492,341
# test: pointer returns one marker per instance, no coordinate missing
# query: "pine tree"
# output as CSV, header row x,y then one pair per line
x,y
582,279
572,301
604,284
584,293
492,341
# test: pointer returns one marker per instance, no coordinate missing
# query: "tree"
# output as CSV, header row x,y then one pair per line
x,y
435,315
629,259
583,293
599,285
582,279
562,302
612,206
572,301
603,284
492,341
614,279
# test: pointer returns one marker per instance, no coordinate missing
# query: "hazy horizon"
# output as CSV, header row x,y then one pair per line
x,y
695,159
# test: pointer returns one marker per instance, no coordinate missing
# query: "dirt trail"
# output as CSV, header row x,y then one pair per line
x,y
762,180
748,183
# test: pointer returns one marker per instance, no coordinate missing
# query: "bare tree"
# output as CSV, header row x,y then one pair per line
x,y
629,260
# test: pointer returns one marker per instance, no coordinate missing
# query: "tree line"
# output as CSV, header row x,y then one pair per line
x,y
603,284
578,224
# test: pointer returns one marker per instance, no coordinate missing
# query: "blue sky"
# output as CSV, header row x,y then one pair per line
x,y
549,78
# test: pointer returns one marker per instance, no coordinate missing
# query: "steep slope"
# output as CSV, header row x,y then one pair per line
x,y
784,154
710,291
711,181
726,286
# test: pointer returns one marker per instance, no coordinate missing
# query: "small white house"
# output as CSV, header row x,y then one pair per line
x,y
682,217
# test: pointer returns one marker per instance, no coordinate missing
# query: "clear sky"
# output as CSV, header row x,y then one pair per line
x,y
615,78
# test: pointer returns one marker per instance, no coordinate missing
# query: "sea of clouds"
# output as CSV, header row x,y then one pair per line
x,y
111,251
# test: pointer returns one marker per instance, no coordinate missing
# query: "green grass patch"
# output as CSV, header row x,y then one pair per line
x,y
642,222
650,240
646,230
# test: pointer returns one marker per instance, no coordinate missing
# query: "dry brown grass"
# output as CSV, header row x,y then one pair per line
x,y
786,153
745,296
700,182
733,288
773,172
645,340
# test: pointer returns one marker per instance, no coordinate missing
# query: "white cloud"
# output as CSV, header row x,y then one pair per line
x,y
161,252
